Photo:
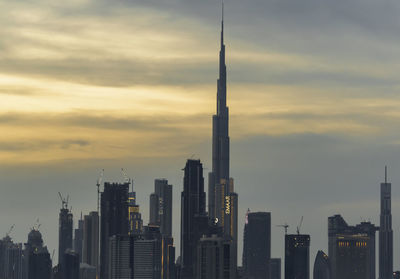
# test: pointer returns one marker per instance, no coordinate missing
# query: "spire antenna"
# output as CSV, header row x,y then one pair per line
x,y
222,24
385,174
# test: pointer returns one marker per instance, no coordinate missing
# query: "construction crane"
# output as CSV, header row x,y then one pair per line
x,y
299,226
99,180
126,178
10,230
64,201
285,226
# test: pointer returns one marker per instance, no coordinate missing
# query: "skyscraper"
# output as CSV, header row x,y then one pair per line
x,y
147,254
351,249
11,256
65,231
386,232
222,200
297,256
37,257
70,266
213,258
114,219
91,239
78,239
275,268
257,248
161,206
321,266
120,257
135,218
193,215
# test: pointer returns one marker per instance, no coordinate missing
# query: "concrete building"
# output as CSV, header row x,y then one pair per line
x,y
78,239
65,231
37,259
87,271
120,266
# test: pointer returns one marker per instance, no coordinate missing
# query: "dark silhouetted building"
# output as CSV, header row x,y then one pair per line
x,y
120,266
87,271
147,254
71,265
321,266
222,199
386,232
161,206
65,231
297,256
275,268
135,218
37,257
213,256
114,220
78,239
11,257
193,215
90,254
351,249
257,247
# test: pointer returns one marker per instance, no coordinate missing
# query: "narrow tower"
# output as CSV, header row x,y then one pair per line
x,y
220,140
386,232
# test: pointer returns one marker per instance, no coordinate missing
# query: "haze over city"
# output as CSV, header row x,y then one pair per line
x,y
91,85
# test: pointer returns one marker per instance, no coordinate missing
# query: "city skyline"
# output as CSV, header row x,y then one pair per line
x,y
287,128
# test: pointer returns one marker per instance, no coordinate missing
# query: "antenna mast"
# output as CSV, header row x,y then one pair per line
x,y
99,180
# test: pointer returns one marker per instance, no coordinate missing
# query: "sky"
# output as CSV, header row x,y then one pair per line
x,y
313,90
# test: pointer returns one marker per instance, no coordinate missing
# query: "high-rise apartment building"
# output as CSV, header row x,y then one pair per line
x,y
65,231
257,248
351,249
161,206
37,259
386,232
90,245
194,219
213,259
297,256
78,239
135,217
114,220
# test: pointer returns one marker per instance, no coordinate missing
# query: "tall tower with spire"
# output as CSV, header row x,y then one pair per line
x,y
222,199
386,232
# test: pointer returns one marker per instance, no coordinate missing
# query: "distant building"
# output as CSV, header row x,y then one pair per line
x,y
71,265
135,218
65,231
351,249
87,271
214,258
90,245
161,206
78,239
193,216
120,257
147,254
321,266
114,219
275,269
386,232
11,257
297,256
37,257
257,247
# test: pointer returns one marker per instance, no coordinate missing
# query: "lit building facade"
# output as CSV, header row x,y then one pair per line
x,y
297,256
351,249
